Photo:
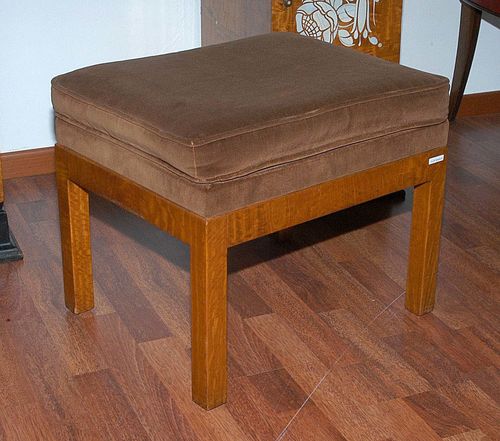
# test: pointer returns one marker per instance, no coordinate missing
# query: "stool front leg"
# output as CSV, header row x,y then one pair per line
x,y
428,201
74,222
209,313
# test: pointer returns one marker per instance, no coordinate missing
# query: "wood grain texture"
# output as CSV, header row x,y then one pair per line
x,y
210,238
30,162
428,201
286,211
386,25
283,17
223,21
479,104
328,314
162,213
74,220
209,313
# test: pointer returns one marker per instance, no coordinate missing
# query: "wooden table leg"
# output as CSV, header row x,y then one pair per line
x,y
470,23
74,219
428,201
209,313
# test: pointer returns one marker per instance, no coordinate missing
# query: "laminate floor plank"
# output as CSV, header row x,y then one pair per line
x,y
311,424
38,369
66,330
470,399
218,424
389,420
300,362
474,435
142,388
281,299
112,418
488,379
475,157
23,415
137,312
247,350
440,414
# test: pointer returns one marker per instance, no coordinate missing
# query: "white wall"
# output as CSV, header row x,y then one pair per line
x,y
429,40
42,38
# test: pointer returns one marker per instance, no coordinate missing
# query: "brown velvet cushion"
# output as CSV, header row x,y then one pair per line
x,y
225,111
211,199
221,127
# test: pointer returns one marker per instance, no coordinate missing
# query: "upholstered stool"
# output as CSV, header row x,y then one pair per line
x,y
223,144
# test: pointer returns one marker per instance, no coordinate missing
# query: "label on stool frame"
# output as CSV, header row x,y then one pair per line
x,y
436,159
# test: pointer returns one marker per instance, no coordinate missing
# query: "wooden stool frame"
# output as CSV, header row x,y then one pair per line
x,y
209,239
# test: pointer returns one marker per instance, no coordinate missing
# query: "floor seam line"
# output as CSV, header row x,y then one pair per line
x,y
308,398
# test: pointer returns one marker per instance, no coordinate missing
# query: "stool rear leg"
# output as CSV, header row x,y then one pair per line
x,y
75,243
428,201
209,313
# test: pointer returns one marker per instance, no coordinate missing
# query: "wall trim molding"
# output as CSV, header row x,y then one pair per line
x,y
41,161
480,103
31,162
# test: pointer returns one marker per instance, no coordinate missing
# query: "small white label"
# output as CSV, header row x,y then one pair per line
x,y
436,159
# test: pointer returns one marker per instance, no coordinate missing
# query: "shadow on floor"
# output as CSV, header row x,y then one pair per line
x,y
259,250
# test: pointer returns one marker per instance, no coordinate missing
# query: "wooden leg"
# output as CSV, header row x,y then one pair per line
x,y
75,243
428,200
209,313
470,23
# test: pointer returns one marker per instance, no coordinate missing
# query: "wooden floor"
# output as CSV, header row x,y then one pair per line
x,y
321,347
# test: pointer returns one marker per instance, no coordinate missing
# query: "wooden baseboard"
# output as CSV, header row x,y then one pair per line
x,y
480,104
28,163
41,161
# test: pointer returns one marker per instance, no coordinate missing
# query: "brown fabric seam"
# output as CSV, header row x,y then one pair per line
x,y
191,143
132,149
169,167
194,161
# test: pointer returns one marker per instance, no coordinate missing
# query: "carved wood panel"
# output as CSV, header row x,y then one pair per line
x,y
370,26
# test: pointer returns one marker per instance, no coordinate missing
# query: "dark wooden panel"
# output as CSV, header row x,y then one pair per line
x,y
230,20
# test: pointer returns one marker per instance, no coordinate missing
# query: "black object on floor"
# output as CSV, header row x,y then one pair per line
x,y
9,249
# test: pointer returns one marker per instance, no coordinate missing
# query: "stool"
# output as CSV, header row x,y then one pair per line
x,y
223,144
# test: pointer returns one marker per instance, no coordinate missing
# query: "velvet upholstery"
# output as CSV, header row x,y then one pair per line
x,y
221,127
